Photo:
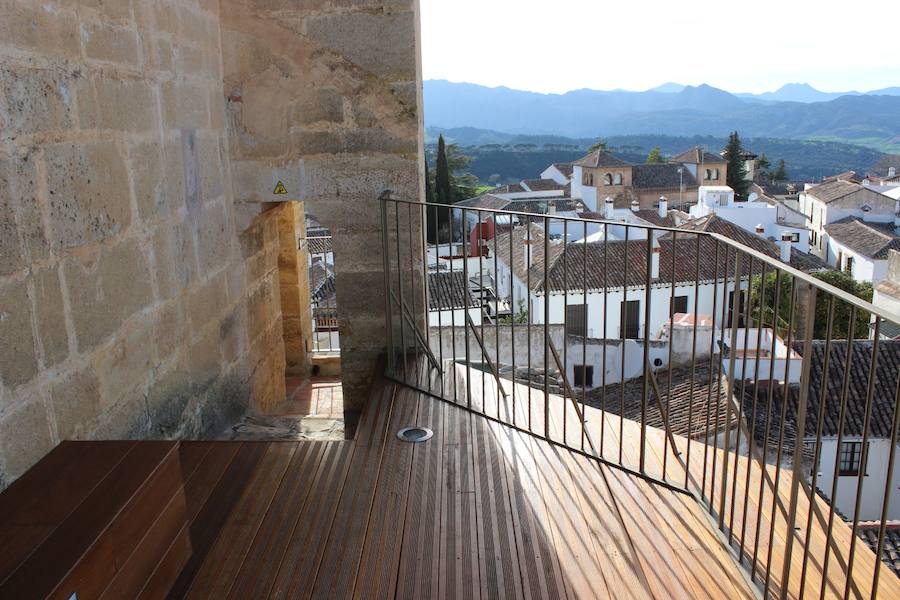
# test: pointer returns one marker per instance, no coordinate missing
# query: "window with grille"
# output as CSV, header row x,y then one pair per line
x,y
576,319
584,375
851,458
678,304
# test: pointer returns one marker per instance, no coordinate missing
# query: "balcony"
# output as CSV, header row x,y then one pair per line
x,y
525,488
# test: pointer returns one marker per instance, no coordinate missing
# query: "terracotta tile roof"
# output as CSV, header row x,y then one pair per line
x,y
861,359
833,190
888,287
599,158
874,240
890,553
697,155
447,291
652,216
484,201
542,185
690,401
564,168
664,176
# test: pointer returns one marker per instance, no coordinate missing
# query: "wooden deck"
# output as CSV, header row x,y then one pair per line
x,y
478,511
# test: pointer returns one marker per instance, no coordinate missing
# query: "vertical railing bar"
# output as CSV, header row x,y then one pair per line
x,y
820,423
669,358
712,346
751,436
497,312
719,375
687,467
802,406
648,272
481,311
547,328
512,321
464,221
842,417
423,228
864,456
565,349
400,286
740,406
584,323
768,424
888,486
453,313
412,282
605,330
386,261
785,399
529,252
729,382
622,328
437,262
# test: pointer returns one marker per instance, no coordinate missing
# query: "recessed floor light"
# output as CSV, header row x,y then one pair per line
x,y
415,434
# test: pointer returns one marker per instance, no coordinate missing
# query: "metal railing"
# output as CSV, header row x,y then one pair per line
x,y
322,295
747,407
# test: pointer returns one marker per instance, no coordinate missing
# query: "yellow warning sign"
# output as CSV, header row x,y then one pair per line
x,y
279,189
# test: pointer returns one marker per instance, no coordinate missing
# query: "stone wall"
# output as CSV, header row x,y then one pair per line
x,y
130,303
323,95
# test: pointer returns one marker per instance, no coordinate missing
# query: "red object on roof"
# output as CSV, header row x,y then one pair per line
x,y
481,234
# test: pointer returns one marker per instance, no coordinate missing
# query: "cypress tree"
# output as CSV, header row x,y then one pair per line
x,y
780,173
737,174
443,187
431,213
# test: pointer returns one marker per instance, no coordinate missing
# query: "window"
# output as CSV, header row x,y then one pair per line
x,y
587,179
678,304
795,238
851,458
813,237
576,319
607,179
708,175
617,180
849,265
584,375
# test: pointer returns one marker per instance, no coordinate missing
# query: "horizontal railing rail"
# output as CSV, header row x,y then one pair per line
x,y
744,401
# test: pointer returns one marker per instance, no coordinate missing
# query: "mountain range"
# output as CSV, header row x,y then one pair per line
x,y
795,111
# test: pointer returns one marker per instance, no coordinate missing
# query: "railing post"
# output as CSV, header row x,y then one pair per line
x,y
809,322
729,381
386,260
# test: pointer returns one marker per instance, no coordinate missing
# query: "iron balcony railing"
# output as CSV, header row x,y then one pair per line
x,y
756,397
322,294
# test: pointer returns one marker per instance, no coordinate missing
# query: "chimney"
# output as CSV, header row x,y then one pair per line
x,y
785,247
529,249
892,171
760,230
635,206
608,207
654,261
663,207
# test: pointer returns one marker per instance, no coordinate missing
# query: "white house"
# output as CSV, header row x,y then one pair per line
x,y
839,199
759,354
861,248
886,294
561,173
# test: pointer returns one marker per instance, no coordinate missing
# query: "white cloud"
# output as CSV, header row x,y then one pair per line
x,y
560,45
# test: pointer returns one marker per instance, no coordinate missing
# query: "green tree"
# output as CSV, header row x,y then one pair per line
x,y
737,174
763,162
462,183
780,173
443,190
655,157
600,144
763,305
433,213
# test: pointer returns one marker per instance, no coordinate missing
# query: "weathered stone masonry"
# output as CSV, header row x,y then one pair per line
x,y
139,141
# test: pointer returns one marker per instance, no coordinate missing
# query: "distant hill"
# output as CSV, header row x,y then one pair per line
x,y
873,120
799,92
513,157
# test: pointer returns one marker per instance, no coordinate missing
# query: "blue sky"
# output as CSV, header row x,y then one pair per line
x,y
555,46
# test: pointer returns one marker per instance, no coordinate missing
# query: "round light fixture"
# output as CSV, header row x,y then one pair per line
x,y
415,434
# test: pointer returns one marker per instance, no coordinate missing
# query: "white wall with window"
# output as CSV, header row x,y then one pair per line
x,y
858,266
875,476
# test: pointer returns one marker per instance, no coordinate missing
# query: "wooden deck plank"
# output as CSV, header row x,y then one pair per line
x,y
225,558
35,504
418,575
260,567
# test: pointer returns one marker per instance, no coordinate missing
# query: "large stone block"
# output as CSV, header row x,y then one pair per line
x,y
185,104
215,233
323,104
124,367
36,100
50,313
173,247
105,41
11,255
208,300
168,399
369,40
157,178
105,291
120,104
170,331
357,177
119,10
18,355
23,186
204,361
75,399
25,437
89,193
40,27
